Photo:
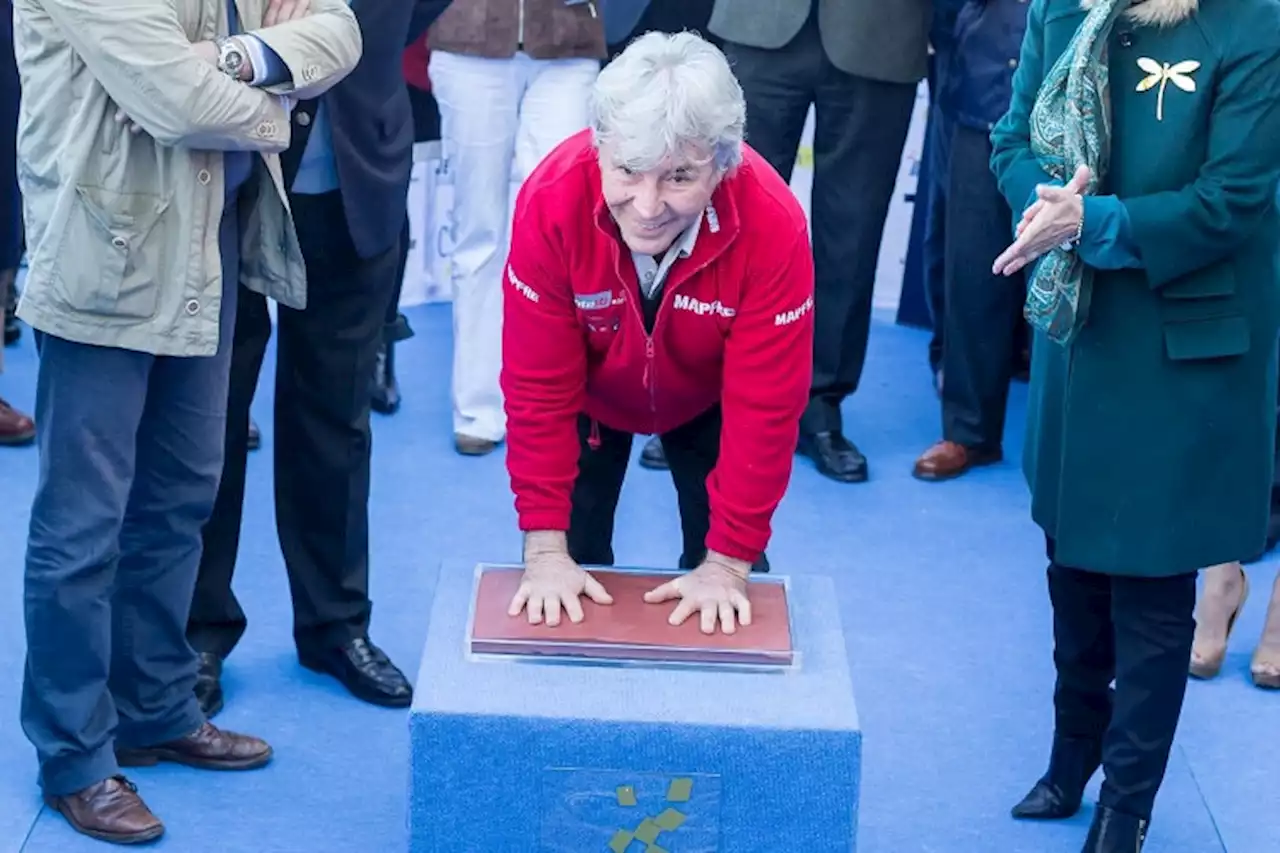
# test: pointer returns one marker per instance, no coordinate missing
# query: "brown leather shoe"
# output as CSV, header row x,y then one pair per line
x,y
15,427
207,748
947,460
109,811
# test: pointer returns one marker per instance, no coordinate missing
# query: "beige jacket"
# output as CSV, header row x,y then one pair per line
x,y
122,229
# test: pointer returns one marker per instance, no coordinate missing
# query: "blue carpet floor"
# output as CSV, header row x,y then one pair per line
x,y
941,591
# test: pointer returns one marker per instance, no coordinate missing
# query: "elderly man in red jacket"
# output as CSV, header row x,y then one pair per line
x,y
660,281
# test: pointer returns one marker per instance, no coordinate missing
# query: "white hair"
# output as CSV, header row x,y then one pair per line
x,y
665,94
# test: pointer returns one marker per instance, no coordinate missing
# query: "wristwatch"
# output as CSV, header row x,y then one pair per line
x,y
231,57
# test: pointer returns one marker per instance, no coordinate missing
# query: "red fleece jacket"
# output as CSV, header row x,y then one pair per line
x,y
735,327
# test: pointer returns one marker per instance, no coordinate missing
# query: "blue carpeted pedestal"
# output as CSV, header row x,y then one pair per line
x,y
520,756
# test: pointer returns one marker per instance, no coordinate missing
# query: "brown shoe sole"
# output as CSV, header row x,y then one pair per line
x,y
143,837
152,757
22,439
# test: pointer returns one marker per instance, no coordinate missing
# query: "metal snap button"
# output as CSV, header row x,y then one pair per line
x,y
193,307
203,176
304,119
119,242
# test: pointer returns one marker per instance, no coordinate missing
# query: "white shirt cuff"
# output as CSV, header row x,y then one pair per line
x,y
257,57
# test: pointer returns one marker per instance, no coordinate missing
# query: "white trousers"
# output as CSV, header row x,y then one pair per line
x,y
499,118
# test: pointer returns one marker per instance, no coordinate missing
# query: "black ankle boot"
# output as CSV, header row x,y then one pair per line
x,y
1059,793
386,391
1115,832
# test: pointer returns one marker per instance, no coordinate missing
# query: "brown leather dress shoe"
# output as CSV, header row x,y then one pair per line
x,y
109,811
207,748
947,460
15,427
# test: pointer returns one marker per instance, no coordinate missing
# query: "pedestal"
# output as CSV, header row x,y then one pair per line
x,y
548,755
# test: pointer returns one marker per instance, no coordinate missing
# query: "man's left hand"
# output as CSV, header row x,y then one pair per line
x,y
717,589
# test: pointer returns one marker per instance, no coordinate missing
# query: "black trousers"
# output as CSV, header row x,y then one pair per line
x,y
671,16
322,440
692,451
1137,631
983,310
860,130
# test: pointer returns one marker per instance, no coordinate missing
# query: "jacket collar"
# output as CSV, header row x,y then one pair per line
x,y
1155,13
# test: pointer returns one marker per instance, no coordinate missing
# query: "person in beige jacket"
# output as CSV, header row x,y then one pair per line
x,y
147,158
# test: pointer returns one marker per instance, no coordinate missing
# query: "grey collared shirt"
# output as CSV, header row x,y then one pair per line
x,y
652,273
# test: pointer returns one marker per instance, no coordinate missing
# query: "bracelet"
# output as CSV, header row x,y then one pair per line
x,y
1068,245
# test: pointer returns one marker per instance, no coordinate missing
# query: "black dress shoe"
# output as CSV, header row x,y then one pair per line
x,y
386,390
1115,832
653,456
364,670
255,435
835,456
209,685
1060,791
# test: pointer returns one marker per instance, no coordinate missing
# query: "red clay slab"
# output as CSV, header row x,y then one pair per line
x,y
630,629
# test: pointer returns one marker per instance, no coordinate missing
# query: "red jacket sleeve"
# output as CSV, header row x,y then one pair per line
x,y
768,368
544,370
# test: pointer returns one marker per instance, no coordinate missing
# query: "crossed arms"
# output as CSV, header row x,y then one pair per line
x,y
141,55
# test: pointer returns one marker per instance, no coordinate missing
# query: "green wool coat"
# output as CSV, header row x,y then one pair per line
x,y
1150,439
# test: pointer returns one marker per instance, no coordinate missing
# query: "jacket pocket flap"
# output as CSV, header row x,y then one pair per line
x,y
128,214
1217,337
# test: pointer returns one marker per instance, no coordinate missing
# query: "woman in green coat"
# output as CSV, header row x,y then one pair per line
x,y
1141,153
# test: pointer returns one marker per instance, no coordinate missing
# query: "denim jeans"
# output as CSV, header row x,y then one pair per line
x,y
130,456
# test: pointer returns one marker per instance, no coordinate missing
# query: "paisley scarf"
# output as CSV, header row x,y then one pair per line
x,y
1070,127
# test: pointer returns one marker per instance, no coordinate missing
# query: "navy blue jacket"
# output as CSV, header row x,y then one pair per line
x,y
988,41
371,123
943,32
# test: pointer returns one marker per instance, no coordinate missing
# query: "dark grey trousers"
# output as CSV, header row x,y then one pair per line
x,y
983,310
130,454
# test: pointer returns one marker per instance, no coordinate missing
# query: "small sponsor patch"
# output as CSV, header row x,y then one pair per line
x,y
593,301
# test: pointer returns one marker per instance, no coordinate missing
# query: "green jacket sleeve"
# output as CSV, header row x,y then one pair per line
x,y
1016,168
1203,223
1107,241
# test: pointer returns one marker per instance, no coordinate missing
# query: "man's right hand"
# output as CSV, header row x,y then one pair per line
x,y
552,581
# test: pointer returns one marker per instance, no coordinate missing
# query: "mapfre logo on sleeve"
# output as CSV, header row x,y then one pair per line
x,y
786,318
523,289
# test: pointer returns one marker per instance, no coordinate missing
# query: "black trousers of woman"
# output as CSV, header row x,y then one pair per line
x,y
1137,632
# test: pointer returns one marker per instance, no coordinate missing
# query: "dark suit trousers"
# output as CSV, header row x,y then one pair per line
x,y
671,16
861,128
933,191
983,310
322,440
1137,631
692,451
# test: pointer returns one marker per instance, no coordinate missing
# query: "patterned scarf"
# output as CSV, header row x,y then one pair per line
x,y
1071,127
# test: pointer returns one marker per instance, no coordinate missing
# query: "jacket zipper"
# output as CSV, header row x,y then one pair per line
x,y
650,372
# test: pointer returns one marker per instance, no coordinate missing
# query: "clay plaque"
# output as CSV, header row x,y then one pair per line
x,y
631,629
